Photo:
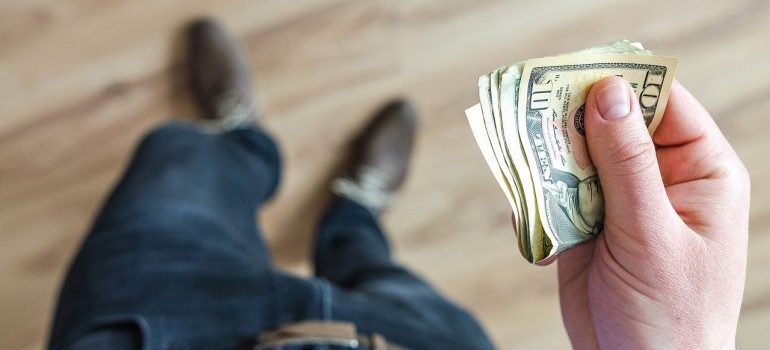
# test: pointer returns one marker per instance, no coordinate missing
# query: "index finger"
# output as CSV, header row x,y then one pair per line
x,y
691,146
684,121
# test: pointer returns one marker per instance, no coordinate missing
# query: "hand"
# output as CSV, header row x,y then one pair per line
x,y
668,270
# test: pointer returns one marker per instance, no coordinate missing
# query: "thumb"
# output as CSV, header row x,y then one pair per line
x,y
623,152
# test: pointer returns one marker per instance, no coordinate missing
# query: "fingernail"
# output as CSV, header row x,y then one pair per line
x,y
612,102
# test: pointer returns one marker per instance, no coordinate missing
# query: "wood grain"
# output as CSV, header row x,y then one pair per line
x,y
82,80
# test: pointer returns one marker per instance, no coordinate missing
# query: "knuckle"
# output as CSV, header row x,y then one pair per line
x,y
633,153
739,176
743,174
732,169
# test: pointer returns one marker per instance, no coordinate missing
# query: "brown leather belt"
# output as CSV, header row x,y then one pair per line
x,y
341,334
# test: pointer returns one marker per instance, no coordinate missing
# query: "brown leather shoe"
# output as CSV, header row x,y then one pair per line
x,y
219,75
381,155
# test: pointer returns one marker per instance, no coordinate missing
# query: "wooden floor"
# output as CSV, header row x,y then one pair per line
x,y
82,80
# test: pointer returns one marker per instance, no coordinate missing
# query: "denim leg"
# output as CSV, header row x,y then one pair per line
x,y
352,252
350,246
179,168
176,248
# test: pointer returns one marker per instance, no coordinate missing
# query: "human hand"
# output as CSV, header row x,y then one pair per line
x,y
668,270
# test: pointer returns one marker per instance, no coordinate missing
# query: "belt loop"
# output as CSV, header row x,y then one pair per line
x,y
326,299
378,342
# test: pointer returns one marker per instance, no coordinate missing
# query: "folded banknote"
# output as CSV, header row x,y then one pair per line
x,y
529,128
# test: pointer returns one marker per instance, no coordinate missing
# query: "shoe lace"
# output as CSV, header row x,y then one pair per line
x,y
371,189
233,111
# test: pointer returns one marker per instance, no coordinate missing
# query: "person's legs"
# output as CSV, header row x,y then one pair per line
x,y
175,257
350,247
181,171
352,252
177,240
379,295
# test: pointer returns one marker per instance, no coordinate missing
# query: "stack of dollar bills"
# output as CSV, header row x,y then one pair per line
x,y
529,127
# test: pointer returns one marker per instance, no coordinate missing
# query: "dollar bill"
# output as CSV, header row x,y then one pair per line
x,y
529,125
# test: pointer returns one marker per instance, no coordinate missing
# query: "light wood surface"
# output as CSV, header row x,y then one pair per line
x,y
82,80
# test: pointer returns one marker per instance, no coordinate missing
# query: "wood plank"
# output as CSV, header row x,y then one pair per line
x,y
82,80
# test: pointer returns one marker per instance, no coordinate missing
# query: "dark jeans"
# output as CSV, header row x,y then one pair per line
x,y
175,260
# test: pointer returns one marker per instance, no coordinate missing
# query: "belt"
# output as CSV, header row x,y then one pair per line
x,y
340,334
